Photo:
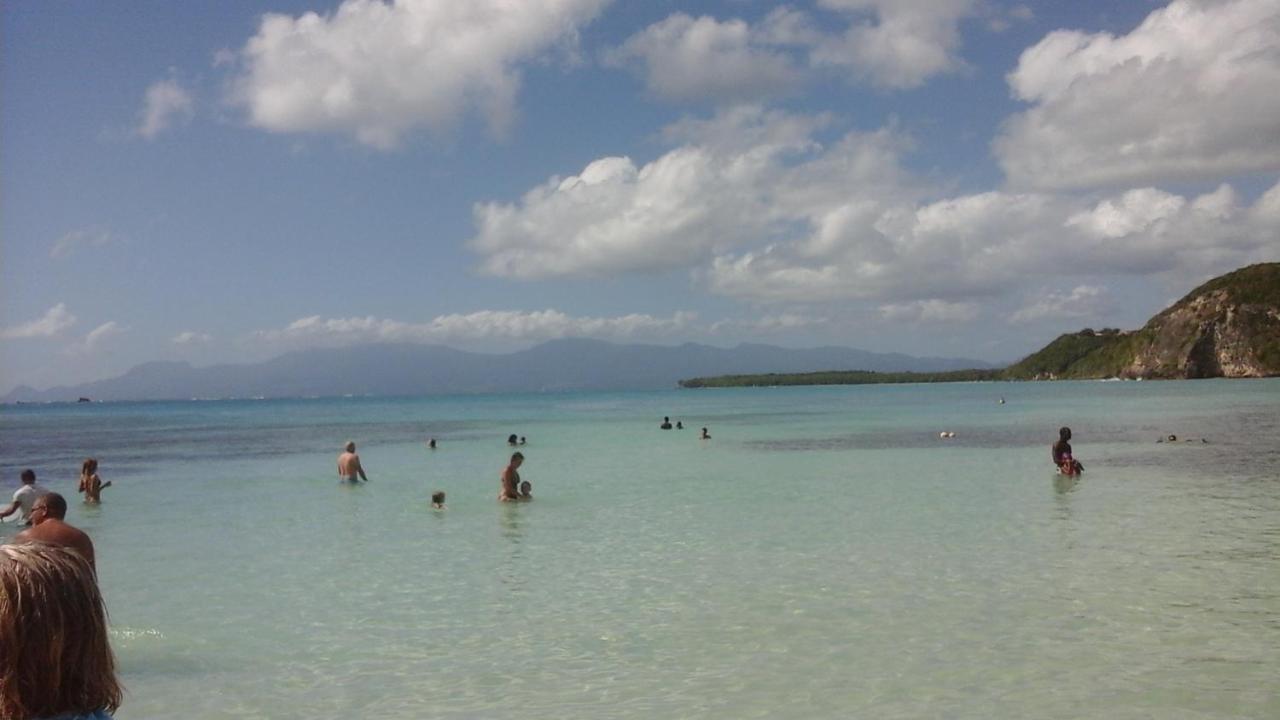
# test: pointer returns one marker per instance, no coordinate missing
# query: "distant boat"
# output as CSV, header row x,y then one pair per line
x,y
84,399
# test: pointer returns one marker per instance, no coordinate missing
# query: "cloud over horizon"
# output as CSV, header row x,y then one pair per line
x,y
55,320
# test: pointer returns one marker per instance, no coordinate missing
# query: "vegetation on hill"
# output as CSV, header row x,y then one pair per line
x,y
1227,327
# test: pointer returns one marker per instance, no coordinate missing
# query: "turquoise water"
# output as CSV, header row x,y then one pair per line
x,y
825,555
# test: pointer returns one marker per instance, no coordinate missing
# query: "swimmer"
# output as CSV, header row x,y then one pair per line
x,y
349,467
1062,458
431,443
437,500
511,479
522,440
511,440
90,484
679,425
666,424
705,435
526,490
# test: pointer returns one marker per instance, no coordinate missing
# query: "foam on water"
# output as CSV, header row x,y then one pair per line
x,y
825,555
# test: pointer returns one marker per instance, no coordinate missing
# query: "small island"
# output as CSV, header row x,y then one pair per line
x,y
1228,327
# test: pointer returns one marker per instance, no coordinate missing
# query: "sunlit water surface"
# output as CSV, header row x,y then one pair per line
x,y
825,555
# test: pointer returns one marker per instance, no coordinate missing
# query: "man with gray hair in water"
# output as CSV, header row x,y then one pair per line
x,y
349,467
48,526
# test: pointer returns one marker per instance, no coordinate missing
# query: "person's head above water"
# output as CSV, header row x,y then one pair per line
x,y
350,446
1064,433
512,439
53,505
437,497
517,458
28,476
53,635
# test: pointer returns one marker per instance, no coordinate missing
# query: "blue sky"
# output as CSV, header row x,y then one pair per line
x,y
224,182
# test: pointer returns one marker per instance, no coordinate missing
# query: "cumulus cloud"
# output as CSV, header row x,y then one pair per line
x,y
896,43
96,338
69,243
190,337
763,212
743,176
930,311
697,59
886,43
1190,93
52,323
506,325
1085,301
767,324
166,102
376,70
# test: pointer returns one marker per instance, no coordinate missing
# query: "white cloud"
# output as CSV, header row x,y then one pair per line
x,y
52,323
190,337
72,241
166,101
1190,93
735,180
96,338
506,325
376,70
768,324
697,59
896,43
1085,301
930,311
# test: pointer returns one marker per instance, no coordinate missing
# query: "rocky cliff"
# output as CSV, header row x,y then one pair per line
x,y
1227,327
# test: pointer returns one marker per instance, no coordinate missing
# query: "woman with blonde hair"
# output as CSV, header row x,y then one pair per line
x,y
55,660
90,484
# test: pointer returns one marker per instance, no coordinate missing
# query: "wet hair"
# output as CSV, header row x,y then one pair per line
x,y
53,635
89,466
517,456
28,475
437,497
350,446
55,505
526,487
1064,433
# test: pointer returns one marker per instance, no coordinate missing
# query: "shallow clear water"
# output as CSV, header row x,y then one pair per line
x,y
825,555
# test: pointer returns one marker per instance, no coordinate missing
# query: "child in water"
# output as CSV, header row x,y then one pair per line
x,y
437,500
526,490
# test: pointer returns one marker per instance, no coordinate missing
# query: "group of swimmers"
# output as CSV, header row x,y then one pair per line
x,y
512,488
55,656
666,425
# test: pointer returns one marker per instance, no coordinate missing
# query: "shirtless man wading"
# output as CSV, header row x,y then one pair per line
x,y
349,465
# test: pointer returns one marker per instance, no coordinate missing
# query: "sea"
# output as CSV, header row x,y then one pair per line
x,y
826,554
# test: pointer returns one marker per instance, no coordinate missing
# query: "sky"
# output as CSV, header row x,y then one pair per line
x,y
226,182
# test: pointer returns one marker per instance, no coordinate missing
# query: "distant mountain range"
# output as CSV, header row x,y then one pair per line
x,y
405,369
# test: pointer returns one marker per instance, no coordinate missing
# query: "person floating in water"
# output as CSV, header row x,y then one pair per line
x,y
510,491
522,440
431,443
679,425
1067,465
513,440
705,435
666,424
90,484
349,467
437,500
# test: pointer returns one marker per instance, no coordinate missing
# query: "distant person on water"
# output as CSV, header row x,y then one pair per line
x,y
437,500
48,526
511,479
55,656
1067,465
522,440
666,424
705,435
90,484
431,443
349,467
23,498
679,425
512,440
